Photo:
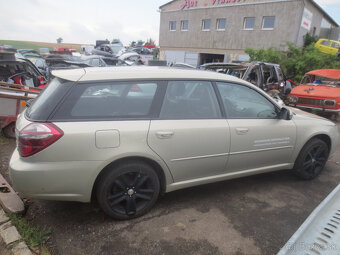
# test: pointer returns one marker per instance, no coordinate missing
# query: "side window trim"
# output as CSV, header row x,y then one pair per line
x,y
219,100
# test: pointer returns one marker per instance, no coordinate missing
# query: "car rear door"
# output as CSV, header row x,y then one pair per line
x,y
190,135
259,140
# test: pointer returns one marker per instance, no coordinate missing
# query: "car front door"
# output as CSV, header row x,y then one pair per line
x,y
260,141
190,135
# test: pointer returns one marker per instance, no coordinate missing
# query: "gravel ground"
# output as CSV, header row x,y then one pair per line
x,y
252,215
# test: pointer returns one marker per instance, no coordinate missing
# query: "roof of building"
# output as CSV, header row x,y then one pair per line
x,y
323,11
312,1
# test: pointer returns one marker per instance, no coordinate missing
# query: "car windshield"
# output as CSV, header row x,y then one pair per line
x,y
319,80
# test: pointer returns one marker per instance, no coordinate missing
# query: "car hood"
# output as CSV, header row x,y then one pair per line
x,y
316,91
300,114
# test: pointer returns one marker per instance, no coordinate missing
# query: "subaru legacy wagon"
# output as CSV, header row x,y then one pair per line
x,y
125,135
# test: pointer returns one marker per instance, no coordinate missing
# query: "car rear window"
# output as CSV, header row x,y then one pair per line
x,y
107,101
43,105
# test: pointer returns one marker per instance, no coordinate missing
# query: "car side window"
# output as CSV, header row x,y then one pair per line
x,y
116,100
190,100
336,45
242,102
326,43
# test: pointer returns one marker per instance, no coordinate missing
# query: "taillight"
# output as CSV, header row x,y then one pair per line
x,y
37,136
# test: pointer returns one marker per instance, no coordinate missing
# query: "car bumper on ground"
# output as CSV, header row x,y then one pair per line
x,y
67,181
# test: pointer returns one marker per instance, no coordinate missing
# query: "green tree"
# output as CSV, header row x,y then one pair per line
x,y
150,40
115,40
59,40
308,39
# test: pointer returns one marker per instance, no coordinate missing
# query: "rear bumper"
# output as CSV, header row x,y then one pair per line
x,y
66,181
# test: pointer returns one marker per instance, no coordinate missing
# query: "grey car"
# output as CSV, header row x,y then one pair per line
x,y
125,135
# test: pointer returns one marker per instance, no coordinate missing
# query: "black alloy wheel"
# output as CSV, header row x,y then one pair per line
x,y
312,159
128,191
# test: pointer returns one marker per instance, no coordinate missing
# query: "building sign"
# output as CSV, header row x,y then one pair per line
x,y
193,3
307,19
188,4
226,1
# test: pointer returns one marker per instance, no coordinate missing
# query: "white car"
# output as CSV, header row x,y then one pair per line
x,y
127,134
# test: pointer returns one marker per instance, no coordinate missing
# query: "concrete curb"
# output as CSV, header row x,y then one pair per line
x,y
11,236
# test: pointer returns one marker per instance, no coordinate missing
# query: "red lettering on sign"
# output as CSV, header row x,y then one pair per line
x,y
188,4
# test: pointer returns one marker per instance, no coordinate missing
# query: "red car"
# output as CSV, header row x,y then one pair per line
x,y
149,45
319,90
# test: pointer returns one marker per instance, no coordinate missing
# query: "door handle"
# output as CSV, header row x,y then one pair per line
x,y
242,131
164,134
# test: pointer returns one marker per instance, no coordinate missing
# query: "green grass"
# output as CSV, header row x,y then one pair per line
x,y
33,236
23,45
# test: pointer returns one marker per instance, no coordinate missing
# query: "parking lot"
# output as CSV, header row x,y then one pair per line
x,y
252,215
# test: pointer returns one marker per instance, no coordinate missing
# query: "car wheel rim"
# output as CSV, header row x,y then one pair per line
x,y
315,160
130,193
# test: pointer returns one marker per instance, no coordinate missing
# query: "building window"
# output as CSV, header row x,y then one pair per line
x,y
249,23
172,25
206,24
268,22
184,25
220,24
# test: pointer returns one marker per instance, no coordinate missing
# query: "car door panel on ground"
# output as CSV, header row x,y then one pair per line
x,y
259,139
191,135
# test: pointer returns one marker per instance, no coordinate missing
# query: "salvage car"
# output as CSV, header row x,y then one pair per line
x,y
57,62
125,135
108,49
142,51
319,90
234,69
267,76
14,69
37,60
328,46
132,58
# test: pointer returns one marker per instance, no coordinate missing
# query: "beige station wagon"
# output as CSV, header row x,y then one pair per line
x,y
124,135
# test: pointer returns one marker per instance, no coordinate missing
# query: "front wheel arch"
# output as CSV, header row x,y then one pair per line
x,y
158,169
312,158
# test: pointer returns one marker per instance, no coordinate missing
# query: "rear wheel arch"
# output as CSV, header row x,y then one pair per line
x,y
156,167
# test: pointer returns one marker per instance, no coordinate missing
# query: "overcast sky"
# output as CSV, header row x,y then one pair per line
x,y
84,21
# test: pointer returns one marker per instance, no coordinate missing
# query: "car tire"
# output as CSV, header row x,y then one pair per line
x,y
9,130
128,190
312,159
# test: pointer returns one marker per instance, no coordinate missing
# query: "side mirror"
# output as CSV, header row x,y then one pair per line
x,y
29,102
285,114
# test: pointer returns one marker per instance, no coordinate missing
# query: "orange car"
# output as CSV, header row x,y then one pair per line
x,y
319,90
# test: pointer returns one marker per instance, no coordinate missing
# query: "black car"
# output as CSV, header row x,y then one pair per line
x,y
18,70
